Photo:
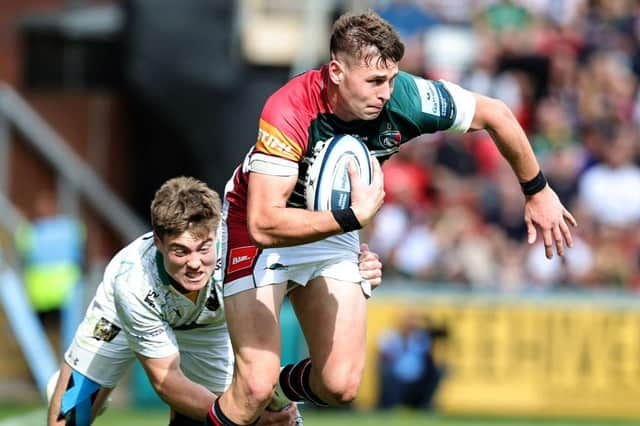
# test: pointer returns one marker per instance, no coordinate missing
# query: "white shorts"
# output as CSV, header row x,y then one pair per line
x,y
334,257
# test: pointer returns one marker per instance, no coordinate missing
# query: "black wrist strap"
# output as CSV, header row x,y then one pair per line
x,y
346,219
534,185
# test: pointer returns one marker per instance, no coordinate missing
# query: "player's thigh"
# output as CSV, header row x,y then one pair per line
x,y
333,317
254,325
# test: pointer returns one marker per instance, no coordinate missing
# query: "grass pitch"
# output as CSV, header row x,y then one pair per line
x,y
356,418
30,416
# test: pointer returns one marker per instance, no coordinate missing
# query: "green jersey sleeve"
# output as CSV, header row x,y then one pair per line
x,y
432,105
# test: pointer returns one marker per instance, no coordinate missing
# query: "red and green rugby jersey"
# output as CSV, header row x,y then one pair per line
x,y
297,116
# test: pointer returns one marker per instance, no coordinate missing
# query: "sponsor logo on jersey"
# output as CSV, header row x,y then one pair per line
x,y
241,258
149,298
430,99
390,138
272,144
105,330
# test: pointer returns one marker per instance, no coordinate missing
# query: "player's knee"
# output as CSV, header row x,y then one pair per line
x,y
257,380
343,393
258,385
343,388
259,392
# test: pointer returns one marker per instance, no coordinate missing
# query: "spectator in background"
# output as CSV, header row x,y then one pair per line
x,y
615,258
411,21
417,251
553,128
608,192
408,17
51,249
610,189
606,88
467,254
555,142
409,375
503,205
574,268
509,23
408,195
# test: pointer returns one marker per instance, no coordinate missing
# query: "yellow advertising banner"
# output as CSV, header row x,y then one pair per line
x,y
520,357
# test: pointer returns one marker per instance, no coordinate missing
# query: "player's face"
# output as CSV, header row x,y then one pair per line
x,y
189,259
364,88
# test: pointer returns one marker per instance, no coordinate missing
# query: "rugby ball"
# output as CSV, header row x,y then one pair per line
x,y
327,184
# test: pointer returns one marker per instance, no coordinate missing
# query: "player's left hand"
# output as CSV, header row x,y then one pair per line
x,y
544,210
285,417
370,266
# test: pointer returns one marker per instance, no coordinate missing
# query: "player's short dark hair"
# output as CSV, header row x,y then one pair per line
x,y
355,35
185,203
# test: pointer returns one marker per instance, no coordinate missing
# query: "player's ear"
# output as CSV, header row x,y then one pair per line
x,y
157,241
336,71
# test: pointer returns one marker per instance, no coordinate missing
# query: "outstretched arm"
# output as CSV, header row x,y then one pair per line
x,y
192,399
543,209
56,389
173,387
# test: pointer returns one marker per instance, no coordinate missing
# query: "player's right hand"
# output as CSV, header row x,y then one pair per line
x,y
544,210
366,200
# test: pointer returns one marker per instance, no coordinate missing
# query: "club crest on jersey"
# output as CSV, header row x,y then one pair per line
x,y
390,138
105,330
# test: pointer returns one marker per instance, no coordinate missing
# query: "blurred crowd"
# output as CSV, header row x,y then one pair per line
x,y
569,70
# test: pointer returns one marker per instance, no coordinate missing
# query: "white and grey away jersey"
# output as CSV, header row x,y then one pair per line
x,y
137,310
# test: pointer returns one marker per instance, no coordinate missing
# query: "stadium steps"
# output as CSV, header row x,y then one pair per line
x,y
16,384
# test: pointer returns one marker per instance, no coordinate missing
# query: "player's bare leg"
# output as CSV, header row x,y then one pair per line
x,y
333,317
254,326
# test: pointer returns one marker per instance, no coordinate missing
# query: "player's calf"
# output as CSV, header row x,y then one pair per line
x,y
338,387
294,381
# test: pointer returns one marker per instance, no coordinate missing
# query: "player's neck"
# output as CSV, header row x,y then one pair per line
x,y
333,101
192,295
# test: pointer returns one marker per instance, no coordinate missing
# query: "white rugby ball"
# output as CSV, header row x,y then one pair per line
x,y
327,181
